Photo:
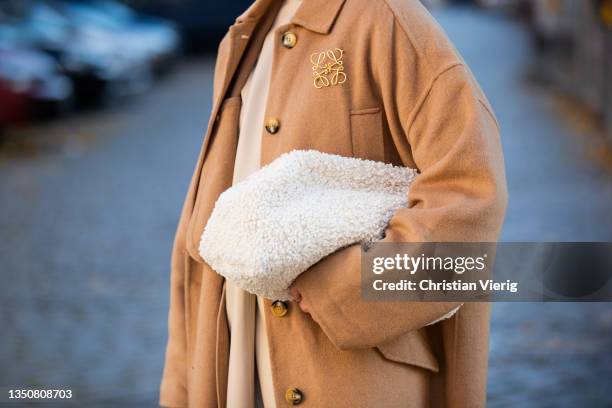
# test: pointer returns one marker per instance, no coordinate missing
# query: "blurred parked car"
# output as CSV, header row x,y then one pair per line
x,y
102,61
202,23
159,36
31,83
14,104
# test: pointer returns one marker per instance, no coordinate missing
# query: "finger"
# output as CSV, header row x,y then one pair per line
x,y
304,306
295,294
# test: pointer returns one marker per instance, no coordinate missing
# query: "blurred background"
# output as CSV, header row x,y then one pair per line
x,y
102,109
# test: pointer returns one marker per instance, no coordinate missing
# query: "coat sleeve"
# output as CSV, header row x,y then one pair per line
x,y
460,195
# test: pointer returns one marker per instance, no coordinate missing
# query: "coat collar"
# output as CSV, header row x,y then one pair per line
x,y
314,15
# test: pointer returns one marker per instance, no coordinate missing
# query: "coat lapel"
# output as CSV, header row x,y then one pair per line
x,y
238,38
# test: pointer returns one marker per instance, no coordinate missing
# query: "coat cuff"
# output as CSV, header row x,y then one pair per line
x,y
332,288
319,285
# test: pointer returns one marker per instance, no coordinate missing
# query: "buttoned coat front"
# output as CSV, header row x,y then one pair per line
x,y
375,79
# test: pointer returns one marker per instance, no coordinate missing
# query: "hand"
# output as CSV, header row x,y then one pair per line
x,y
297,298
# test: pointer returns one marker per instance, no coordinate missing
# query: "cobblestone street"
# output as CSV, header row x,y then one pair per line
x,y
89,207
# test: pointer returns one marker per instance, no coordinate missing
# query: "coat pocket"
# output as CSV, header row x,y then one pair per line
x,y
411,348
367,134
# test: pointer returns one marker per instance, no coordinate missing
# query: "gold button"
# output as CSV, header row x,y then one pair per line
x,y
289,39
293,396
272,125
279,308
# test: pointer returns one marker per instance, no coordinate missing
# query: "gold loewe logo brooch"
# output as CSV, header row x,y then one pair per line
x,y
328,68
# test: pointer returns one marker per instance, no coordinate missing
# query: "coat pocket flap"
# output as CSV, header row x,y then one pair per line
x,y
367,134
411,348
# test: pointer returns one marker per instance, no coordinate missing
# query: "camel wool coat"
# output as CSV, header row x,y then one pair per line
x,y
379,80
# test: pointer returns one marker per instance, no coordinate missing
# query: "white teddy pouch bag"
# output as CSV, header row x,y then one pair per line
x,y
268,229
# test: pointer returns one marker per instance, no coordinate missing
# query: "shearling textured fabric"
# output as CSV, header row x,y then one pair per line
x,y
300,208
